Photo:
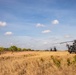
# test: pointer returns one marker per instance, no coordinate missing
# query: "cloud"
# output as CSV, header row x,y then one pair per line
x,y
45,43
40,25
2,24
46,31
8,33
67,36
55,22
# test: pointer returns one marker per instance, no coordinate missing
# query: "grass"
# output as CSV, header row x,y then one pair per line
x,y
38,63
74,59
68,62
56,61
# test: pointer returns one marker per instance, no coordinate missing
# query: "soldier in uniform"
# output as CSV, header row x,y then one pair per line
x,y
55,49
74,45
51,49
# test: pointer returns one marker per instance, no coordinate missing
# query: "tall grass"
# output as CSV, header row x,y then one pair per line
x,y
38,64
56,61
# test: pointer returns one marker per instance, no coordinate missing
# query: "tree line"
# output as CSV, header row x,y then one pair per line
x,y
14,48
17,49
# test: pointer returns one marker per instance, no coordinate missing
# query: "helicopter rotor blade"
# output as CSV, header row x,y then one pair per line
x,y
66,42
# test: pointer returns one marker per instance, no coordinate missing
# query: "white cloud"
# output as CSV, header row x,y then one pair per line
x,y
45,43
40,25
8,33
2,24
55,22
67,36
46,31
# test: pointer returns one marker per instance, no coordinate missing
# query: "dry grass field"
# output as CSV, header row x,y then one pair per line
x,y
38,63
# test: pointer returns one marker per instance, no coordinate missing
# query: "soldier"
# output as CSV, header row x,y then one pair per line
x,y
74,47
55,49
74,44
51,49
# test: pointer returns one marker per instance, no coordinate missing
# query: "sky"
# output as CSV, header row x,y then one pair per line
x,y
37,24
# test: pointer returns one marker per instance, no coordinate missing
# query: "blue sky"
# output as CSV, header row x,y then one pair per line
x,y
37,24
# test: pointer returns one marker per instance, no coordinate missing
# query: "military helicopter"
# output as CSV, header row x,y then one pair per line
x,y
71,48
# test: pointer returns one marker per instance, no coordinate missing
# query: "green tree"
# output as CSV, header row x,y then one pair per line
x,y
1,49
29,49
6,49
24,49
13,48
19,49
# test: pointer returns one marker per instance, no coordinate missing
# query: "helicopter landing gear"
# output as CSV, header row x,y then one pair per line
x,y
70,52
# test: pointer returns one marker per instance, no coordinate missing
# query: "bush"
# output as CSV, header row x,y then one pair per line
x,y
42,60
74,59
1,49
24,49
18,49
13,48
68,62
29,49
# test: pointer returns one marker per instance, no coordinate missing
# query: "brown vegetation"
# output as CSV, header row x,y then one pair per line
x,y
38,63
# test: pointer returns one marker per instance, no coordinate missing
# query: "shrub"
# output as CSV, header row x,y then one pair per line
x,y
42,60
19,49
13,48
24,49
1,49
74,59
68,62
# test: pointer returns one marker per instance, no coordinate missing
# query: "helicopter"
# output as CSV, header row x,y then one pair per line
x,y
71,48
